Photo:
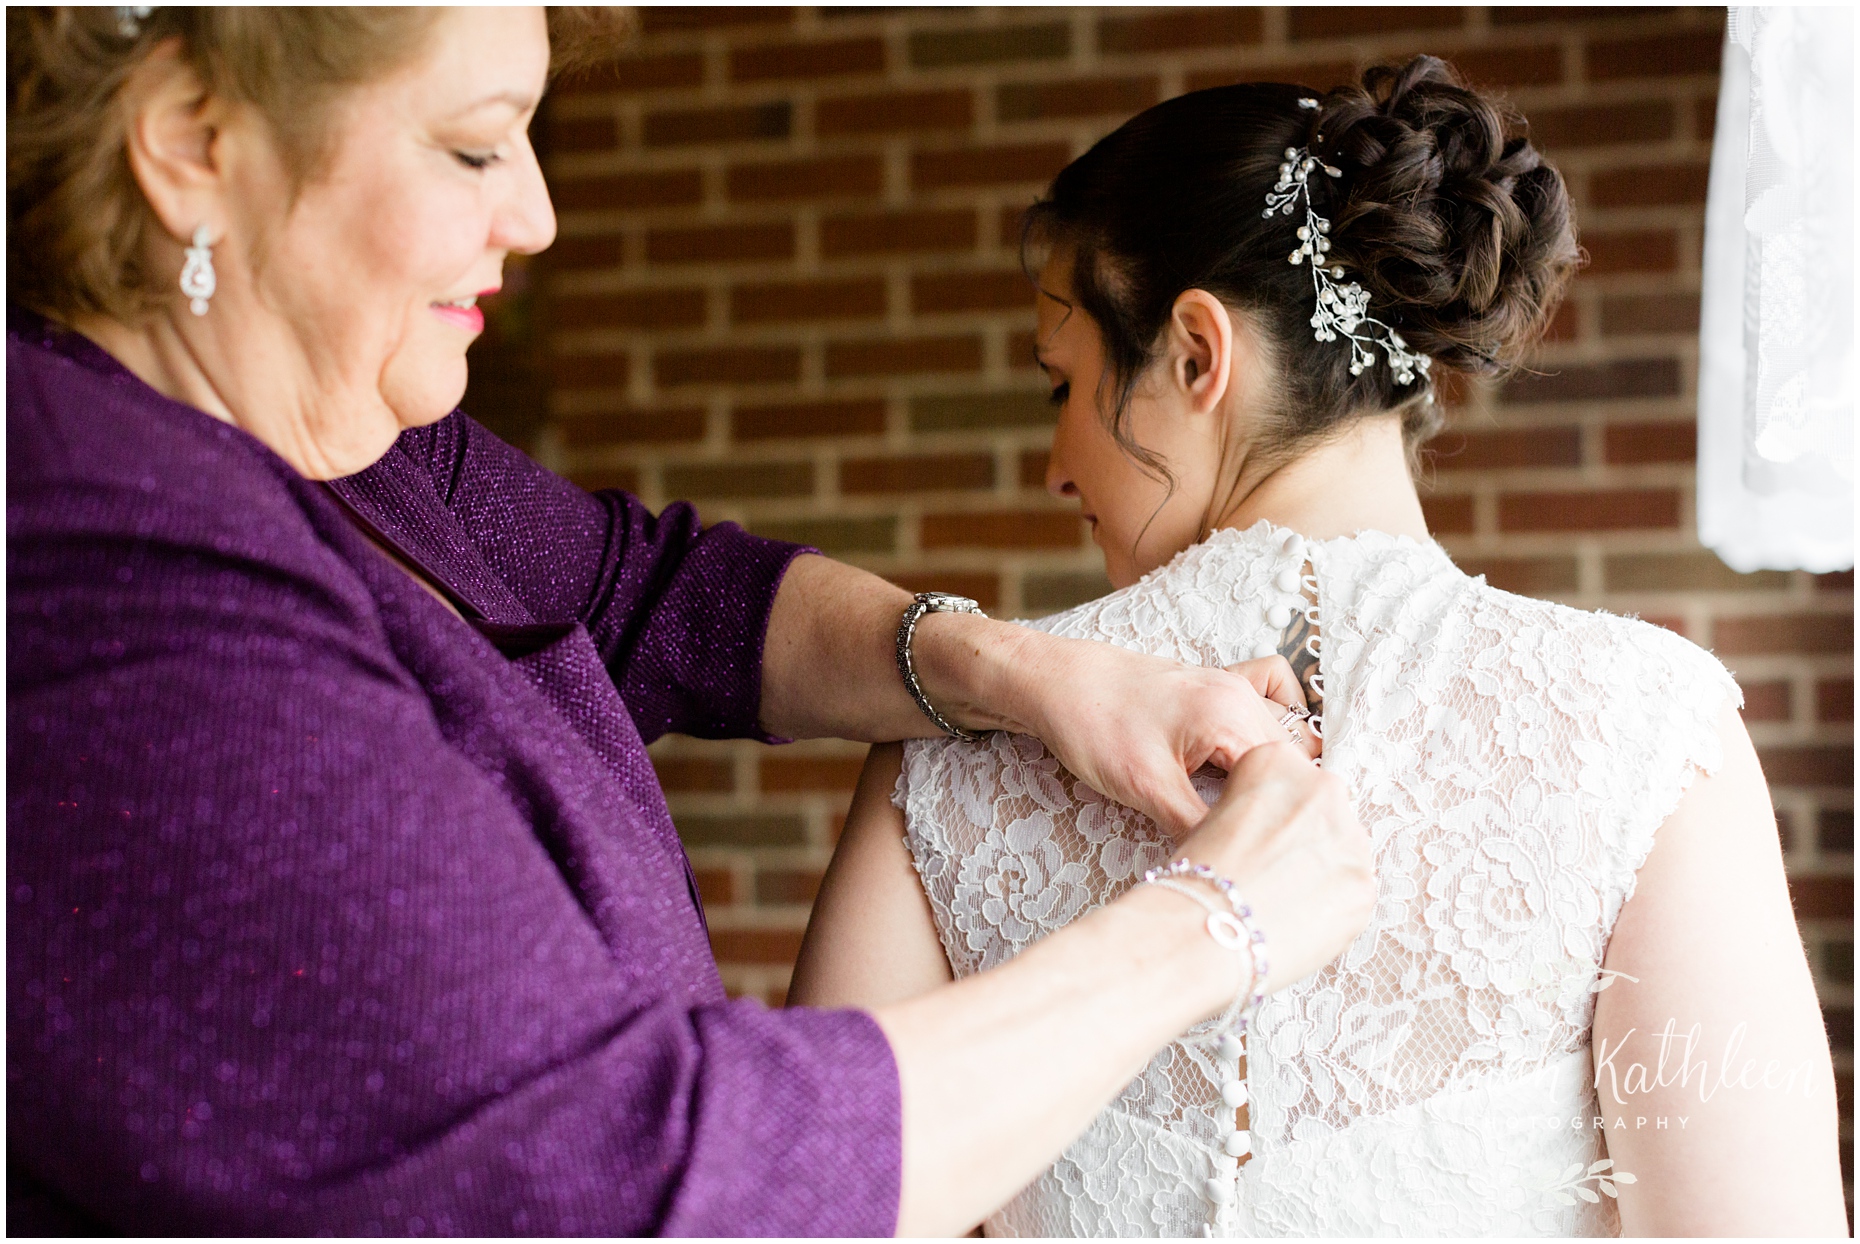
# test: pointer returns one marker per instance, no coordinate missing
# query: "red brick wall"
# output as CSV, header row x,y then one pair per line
x,y
786,287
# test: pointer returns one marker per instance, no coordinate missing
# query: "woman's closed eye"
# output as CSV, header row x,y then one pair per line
x,y
1060,393
477,159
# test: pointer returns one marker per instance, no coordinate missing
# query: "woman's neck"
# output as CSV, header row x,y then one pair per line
x,y
269,406
1355,481
159,357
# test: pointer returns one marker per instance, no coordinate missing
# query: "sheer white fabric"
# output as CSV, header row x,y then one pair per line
x,y
1511,759
1776,330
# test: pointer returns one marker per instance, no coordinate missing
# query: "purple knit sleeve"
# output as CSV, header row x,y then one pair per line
x,y
678,610
284,958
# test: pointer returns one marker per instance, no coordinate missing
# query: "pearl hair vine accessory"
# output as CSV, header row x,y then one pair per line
x,y
1342,306
129,18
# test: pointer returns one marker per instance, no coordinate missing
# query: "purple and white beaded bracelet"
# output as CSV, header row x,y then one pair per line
x,y
1233,932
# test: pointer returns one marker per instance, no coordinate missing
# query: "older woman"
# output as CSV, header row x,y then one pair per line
x,y
342,896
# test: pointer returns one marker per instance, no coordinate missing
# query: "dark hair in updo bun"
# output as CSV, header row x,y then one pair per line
x,y
1444,213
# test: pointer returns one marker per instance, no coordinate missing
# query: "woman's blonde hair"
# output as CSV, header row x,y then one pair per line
x,y
77,222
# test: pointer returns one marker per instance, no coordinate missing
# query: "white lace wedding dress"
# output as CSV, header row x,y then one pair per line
x,y
1511,759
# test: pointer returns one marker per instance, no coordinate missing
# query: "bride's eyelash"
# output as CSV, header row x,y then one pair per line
x,y
1059,394
473,159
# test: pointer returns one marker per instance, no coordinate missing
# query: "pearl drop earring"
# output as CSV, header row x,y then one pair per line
x,y
198,280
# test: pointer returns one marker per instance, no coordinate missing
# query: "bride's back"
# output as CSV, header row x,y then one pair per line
x,y
1247,296
1512,760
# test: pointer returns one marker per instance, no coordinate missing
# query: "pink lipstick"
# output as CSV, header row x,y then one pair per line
x,y
463,312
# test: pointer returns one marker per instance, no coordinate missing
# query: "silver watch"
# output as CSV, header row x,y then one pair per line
x,y
930,602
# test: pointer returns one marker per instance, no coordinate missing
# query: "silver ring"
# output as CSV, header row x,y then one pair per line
x,y
1294,713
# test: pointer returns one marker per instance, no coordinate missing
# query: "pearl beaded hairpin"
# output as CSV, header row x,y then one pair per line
x,y
129,18
1342,307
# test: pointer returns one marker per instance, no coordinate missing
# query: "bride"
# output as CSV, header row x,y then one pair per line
x,y
1581,1007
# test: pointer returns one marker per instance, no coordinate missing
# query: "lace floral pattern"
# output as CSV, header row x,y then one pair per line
x,y
1511,759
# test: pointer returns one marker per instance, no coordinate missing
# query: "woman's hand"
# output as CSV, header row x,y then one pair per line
x,y
1136,726
1277,682
1133,726
993,1073
1286,834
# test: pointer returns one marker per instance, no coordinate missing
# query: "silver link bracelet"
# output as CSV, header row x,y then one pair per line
x,y
931,602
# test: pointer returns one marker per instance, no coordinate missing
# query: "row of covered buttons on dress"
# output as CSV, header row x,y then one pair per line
x,y
1297,587
1222,1186
1297,594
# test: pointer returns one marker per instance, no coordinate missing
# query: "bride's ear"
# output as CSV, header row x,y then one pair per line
x,y
1201,349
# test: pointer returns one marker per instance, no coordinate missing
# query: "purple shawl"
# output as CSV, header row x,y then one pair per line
x,y
330,912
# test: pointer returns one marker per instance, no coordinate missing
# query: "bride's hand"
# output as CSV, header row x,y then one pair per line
x,y
1136,726
1288,836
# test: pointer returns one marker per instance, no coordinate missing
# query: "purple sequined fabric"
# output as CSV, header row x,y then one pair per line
x,y
331,911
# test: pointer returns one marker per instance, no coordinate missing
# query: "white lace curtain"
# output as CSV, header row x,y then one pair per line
x,y
1776,333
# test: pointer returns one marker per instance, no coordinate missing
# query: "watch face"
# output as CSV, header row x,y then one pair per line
x,y
947,600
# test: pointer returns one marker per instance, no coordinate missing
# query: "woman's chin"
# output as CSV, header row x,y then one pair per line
x,y
424,394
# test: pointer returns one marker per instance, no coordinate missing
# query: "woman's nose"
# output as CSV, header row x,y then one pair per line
x,y
525,222
1058,479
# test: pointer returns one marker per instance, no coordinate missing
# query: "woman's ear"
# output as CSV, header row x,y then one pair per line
x,y
1201,349
172,132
